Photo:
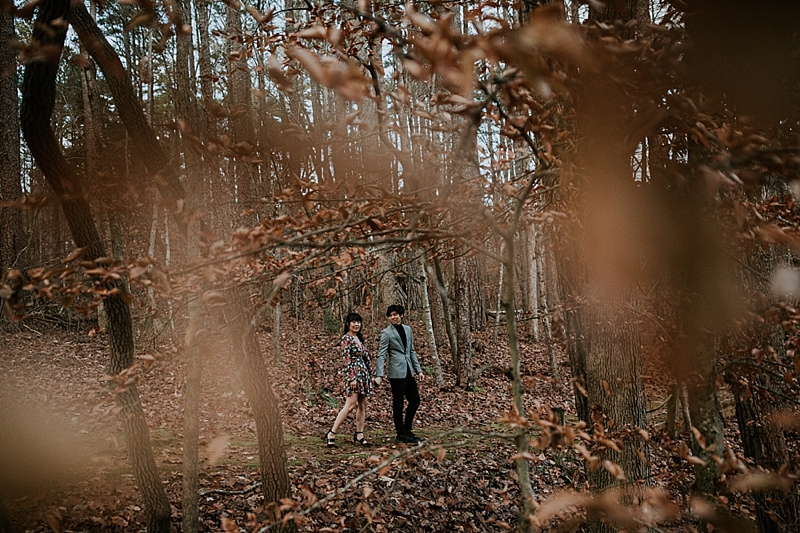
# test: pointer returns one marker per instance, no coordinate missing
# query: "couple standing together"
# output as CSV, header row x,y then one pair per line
x,y
397,355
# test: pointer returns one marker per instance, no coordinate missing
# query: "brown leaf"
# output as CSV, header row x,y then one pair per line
x,y
215,109
440,455
145,18
258,16
76,254
282,280
614,469
214,298
314,32
277,75
229,525
610,443
216,448
701,440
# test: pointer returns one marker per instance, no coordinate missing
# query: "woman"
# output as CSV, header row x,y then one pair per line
x,y
358,380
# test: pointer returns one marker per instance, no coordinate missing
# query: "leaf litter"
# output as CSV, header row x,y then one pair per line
x,y
463,479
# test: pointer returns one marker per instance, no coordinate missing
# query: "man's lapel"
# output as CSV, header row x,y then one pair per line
x,y
396,336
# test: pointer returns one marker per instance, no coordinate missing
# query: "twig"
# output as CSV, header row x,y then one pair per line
x,y
30,328
251,488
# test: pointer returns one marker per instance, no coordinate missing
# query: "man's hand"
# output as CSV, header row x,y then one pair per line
x,y
420,376
378,380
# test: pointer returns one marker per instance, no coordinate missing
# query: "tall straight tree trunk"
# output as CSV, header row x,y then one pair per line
x,y
426,308
615,385
240,318
187,111
704,409
758,398
765,443
477,309
465,375
87,78
38,100
12,235
447,316
238,99
604,326
530,261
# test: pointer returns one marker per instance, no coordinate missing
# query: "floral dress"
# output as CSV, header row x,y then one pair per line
x,y
357,366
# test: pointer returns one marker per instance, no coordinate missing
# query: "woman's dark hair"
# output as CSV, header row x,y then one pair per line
x,y
353,317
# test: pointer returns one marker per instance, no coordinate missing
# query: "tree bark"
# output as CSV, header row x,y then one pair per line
x,y
12,234
426,308
240,318
465,376
615,386
758,397
38,90
239,100
446,314
765,444
187,111
704,409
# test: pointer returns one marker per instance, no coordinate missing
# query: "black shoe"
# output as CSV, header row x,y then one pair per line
x,y
361,441
400,438
330,439
411,438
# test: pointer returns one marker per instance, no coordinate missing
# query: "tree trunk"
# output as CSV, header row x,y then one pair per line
x,y
87,77
704,410
38,90
276,332
446,314
241,325
239,101
12,234
190,518
187,111
128,105
521,438
615,386
388,291
531,270
765,444
477,311
499,303
465,376
758,397
426,308
575,321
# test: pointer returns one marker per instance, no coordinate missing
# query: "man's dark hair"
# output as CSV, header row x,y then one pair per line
x,y
395,309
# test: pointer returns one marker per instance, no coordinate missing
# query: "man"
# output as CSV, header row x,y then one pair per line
x,y
396,350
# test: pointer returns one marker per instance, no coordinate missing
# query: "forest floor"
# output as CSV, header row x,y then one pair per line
x,y
65,466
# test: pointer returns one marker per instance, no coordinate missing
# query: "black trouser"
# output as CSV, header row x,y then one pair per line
x,y
404,389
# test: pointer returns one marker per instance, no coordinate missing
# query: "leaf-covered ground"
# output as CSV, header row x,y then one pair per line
x,y
66,468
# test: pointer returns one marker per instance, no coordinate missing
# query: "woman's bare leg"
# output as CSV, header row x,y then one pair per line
x,y
351,402
361,414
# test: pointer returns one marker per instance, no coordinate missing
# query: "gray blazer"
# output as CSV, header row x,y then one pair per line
x,y
391,347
